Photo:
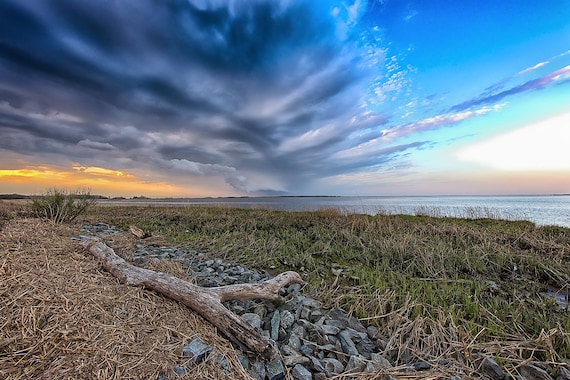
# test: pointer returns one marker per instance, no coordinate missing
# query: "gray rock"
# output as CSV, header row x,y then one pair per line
x,y
532,372
316,364
258,370
275,323
306,350
350,321
287,319
356,363
332,367
378,363
421,366
563,374
253,320
243,360
301,373
455,378
336,323
288,350
293,360
197,350
275,370
179,370
294,341
316,315
298,330
372,332
347,344
492,369
222,361
329,329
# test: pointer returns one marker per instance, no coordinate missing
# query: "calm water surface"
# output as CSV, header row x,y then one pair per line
x,y
542,210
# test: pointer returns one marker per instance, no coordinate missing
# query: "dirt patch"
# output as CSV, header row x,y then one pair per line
x,y
62,316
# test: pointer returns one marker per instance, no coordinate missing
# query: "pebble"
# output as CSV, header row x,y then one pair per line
x,y
314,344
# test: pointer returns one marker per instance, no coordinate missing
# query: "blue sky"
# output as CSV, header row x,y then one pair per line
x,y
253,97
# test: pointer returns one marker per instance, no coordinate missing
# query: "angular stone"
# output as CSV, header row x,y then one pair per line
x,y
316,364
298,329
305,313
275,370
293,288
329,329
378,363
532,372
293,360
563,374
275,323
365,346
356,363
492,369
332,367
350,321
347,344
287,350
287,319
254,320
222,361
336,323
258,370
372,332
243,361
316,315
197,350
306,350
421,366
301,373
294,341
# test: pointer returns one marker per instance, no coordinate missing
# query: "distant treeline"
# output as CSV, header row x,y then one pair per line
x,y
21,196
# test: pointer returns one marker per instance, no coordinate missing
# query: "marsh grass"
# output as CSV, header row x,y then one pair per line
x,y
436,287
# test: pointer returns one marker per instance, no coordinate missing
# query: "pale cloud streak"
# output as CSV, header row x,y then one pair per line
x,y
542,146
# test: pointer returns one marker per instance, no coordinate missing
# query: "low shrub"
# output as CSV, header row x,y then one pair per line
x,y
61,206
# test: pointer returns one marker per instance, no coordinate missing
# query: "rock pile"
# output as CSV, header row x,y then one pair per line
x,y
313,343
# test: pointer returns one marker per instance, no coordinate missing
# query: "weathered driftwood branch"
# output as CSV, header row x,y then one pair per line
x,y
205,301
138,232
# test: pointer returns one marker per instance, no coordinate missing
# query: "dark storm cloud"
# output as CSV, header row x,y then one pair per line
x,y
201,87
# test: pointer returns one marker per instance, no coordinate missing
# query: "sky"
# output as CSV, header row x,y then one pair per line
x,y
198,98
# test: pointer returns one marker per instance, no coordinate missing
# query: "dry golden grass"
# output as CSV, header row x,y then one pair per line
x,y
62,316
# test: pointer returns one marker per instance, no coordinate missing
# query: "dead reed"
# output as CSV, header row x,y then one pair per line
x,y
62,316
436,287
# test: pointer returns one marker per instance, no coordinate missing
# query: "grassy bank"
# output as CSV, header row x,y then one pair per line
x,y
436,287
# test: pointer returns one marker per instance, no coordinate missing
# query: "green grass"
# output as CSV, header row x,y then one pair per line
x,y
432,285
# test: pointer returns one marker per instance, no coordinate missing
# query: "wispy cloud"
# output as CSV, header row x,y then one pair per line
x,y
556,77
435,122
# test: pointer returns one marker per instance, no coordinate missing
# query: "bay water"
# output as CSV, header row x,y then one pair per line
x,y
540,209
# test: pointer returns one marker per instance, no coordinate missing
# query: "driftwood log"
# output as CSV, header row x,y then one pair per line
x,y
138,232
205,301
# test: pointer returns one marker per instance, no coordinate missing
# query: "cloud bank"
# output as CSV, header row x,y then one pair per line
x,y
264,97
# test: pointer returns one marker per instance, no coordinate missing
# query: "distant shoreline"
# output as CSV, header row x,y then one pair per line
x,y
178,199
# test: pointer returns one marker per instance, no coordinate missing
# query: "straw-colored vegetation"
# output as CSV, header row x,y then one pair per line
x,y
438,288
61,206
63,317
